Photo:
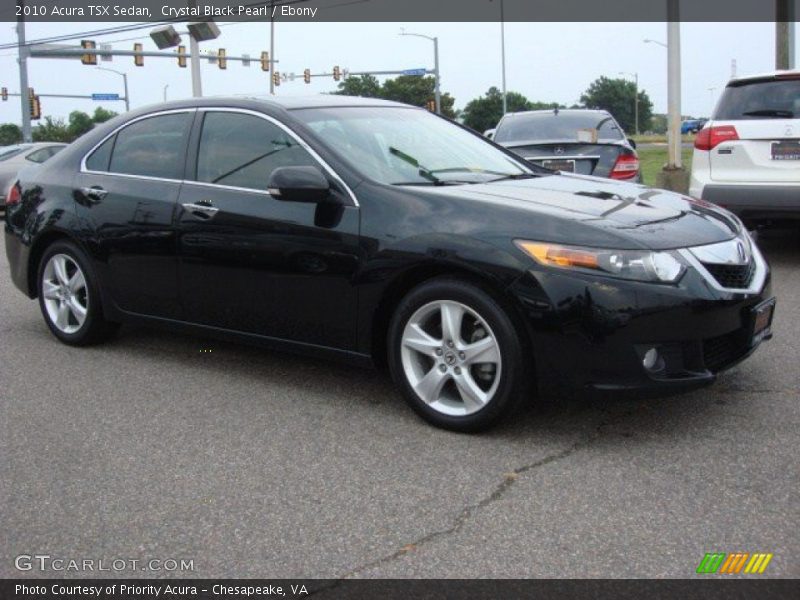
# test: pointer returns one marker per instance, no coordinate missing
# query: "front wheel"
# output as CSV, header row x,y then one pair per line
x,y
457,356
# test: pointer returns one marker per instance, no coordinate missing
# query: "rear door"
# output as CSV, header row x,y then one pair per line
x,y
126,193
766,116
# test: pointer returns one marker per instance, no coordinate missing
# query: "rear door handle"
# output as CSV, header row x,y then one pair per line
x,y
95,193
203,211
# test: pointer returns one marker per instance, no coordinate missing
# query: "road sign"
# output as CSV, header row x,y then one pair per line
x,y
105,96
106,57
414,72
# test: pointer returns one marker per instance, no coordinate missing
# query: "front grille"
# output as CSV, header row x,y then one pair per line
x,y
732,276
721,351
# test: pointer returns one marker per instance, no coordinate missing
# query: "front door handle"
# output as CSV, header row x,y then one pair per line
x,y
95,193
202,210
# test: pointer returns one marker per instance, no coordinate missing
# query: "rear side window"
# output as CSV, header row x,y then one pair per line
x,y
99,159
152,147
243,150
771,99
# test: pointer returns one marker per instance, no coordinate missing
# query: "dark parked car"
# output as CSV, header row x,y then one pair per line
x,y
583,141
380,233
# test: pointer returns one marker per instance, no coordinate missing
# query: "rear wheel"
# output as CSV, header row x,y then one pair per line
x,y
69,297
456,355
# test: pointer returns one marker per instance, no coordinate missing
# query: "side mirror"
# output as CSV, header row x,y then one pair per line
x,y
298,184
632,142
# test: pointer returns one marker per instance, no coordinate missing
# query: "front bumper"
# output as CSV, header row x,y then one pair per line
x,y
591,332
775,202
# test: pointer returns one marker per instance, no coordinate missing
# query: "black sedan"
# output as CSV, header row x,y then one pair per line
x,y
383,234
583,141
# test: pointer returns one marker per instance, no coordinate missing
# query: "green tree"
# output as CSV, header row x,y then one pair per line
x,y
485,112
366,86
10,133
51,130
79,123
409,89
416,90
101,115
617,97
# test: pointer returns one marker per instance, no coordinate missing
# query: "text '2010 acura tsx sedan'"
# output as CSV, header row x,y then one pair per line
x,y
384,234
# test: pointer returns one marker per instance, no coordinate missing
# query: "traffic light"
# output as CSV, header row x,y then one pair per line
x,y
307,75
35,105
265,61
431,105
222,62
88,59
4,93
138,60
182,57
276,78
337,73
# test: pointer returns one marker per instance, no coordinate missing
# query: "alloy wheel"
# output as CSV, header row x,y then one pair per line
x,y
66,297
451,358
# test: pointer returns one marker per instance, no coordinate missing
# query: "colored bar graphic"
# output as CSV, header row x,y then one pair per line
x,y
711,562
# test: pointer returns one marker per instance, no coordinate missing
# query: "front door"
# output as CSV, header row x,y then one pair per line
x,y
252,263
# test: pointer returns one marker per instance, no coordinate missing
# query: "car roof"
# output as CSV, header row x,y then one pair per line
x,y
279,102
553,111
790,74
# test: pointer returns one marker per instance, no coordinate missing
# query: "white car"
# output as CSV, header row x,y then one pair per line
x,y
747,157
17,157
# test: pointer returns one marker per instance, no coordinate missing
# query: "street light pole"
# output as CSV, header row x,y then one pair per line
x,y
272,46
166,87
503,55
436,78
124,82
674,84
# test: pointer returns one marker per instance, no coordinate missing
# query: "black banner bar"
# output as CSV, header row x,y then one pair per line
x,y
384,589
398,10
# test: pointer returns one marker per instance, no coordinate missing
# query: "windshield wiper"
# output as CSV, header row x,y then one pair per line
x,y
515,176
422,171
770,112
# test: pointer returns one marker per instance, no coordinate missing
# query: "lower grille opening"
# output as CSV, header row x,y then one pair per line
x,y
722,351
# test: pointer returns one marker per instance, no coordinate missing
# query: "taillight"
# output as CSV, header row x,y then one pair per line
x,y
13,196
626,167
711,137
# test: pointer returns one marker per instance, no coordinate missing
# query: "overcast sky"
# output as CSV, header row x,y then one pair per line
x,y
545,61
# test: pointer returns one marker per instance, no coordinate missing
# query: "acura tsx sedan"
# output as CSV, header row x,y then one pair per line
x,y
386,235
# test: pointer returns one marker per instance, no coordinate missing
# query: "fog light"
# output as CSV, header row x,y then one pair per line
x,y
651,360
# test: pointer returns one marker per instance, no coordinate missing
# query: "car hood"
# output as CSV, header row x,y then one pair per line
x,y
577,209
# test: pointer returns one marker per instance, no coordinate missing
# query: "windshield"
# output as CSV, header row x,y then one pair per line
x,y
552,126
9,151
406,146
760,100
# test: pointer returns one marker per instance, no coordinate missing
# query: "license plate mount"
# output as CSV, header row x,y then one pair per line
x,y
762,320
559,164
786,150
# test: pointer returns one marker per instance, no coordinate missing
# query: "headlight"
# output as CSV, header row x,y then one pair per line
x,y
641,265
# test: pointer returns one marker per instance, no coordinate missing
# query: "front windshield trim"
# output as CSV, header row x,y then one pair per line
x,y
513,164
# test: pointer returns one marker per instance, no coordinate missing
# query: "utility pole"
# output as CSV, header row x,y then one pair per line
x,y
194,50
784,34
23,75
673,176
436,88
124,83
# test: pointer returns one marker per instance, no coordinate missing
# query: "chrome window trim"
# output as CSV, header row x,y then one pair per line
x,y
84,169
300,141
759,277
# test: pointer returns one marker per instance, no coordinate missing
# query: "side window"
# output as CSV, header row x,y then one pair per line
x,y
99,159
39,156
242,150
154,147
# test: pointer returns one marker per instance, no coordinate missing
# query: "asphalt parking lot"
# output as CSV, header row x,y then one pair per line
x,y
260,464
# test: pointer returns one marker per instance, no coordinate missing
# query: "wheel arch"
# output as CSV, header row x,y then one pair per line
x,y
38,248
415,276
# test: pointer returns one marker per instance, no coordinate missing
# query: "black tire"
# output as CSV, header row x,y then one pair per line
x,y
513,382
95,328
